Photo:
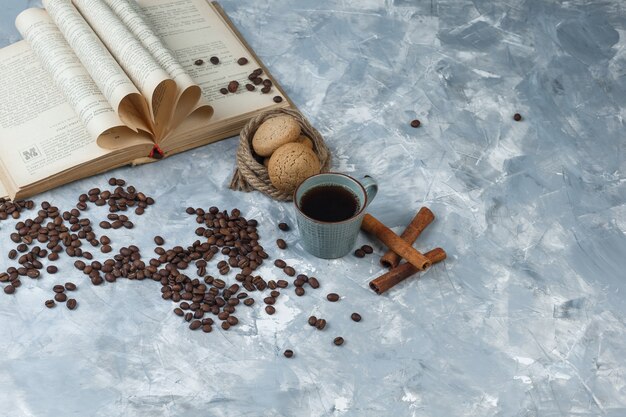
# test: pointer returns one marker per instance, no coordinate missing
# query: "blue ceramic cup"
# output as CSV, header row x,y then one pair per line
x,y
331,240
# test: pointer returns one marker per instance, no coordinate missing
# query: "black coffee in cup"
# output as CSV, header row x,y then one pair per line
x,y
329,203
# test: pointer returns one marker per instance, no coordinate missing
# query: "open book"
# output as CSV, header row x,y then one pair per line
x,y
97,84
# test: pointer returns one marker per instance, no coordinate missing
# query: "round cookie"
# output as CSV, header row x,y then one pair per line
x,y
273,133
305,141
291,164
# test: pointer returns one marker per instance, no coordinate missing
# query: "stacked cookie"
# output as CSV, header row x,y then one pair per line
x,y
289,155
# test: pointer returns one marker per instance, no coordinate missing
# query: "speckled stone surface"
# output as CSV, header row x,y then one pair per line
x,y
526,317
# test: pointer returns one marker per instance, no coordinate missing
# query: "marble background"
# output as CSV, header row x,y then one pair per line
x,y
525,318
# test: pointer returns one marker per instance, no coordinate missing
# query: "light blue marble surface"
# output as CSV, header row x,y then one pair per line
x,y
525,318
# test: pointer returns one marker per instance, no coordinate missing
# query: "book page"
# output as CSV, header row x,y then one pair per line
x,y
193,30
189,96
110,78
40,134
69,75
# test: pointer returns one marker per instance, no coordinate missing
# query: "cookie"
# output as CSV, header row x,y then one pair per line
x,y
291,164
273,133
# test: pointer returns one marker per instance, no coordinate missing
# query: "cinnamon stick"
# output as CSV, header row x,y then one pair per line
x,y
394,242
402,272
422,219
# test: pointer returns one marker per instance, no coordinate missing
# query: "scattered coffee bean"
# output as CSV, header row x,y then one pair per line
x,y
300,291
289,271
281,244
71,303
248,301
233,86
517,117
179,312
214,60
206,328
58,289
277,99
266,90
415,123
314,283
106,249
257,80
312,321
332,297
50,303
320,324
338,341
195,325
283,226
224,91
159,240
51,269
60,297
270,310
242,61
225,325
281,283
359,253
198,62
288,353
267,82
355,317
12,254
279,263
250,87
367,249
70,286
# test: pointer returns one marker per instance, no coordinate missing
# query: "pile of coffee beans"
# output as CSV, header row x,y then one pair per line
x,y
12,209
256,80
220,234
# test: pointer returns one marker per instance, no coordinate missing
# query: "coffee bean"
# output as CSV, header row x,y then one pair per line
x,y
332,297
195,325
300,291
265,90
188,317
106,249
12,254
50,303
250,87
233,86
367,249
198,62
415,123
206,328
312,321
52,269
269,300
224,91
281,244
257,80
288,353
225,325
60,297
338,341
289,271
267,82
280,263
242,61
281,283
105,225
249,301
314,283
70,286
359,253
355,317
232,320
159,240
71,303
320,324
214,60
270,310
517,117
277,99
283,226
58,289
179,312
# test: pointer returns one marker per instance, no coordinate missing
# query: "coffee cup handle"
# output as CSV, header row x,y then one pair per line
x,y
371,187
